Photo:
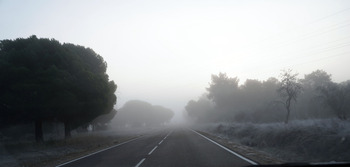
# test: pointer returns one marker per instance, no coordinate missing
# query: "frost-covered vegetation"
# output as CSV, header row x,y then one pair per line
x,y
26,152
320,140
269,101
296,119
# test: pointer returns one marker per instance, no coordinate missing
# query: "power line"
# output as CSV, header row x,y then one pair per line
x,y
324,58
274,49
304,25
305,37
307,53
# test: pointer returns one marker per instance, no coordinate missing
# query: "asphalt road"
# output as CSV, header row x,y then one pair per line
x,y
180,147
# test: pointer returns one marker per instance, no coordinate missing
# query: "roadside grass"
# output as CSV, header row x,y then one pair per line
x,y
321,140
55,152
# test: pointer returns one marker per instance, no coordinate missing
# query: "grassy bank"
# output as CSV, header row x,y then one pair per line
x,y
300,141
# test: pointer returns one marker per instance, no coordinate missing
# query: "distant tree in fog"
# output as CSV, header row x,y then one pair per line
x,y
221,86
138,113
255,101
289,89
227,101
310,105
201,110
221,91
316,79
164,114
102,121
337,97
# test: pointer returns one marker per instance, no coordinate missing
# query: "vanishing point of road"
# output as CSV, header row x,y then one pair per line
x,y
179,147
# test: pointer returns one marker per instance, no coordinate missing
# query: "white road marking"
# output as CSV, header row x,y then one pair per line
x,y
152,150
167,135
97,152
230,151
140,162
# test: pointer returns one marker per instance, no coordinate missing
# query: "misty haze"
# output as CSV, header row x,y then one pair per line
x,y
174,83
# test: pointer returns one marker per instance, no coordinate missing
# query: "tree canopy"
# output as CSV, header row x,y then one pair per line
x,y
140,113
258,101
42,79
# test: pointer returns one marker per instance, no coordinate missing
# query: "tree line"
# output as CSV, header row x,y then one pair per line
x,y
44,80
137,113
272,100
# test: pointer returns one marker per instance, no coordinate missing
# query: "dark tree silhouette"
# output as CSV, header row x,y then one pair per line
x,y
102,121
289,89
316,79
337,97
42,80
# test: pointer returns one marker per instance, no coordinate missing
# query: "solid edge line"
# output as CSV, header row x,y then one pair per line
x,y
232,152
140,162
152,150
97,152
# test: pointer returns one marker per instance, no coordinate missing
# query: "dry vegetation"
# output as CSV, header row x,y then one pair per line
x,y
51,153
300,141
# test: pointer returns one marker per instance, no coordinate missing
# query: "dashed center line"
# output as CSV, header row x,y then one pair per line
x,y
167,135
152,150
140,162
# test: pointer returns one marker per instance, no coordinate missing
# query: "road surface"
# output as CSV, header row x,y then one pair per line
x,y
180,147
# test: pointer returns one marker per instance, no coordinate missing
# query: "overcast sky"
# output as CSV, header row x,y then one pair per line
x,y
164,52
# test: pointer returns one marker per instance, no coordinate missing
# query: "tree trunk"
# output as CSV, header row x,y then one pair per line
x,y
287,118
342,115
39,137
288,109
67,130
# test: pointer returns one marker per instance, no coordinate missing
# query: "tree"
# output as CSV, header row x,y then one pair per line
x,y
200,110
90,91
221,86
222,91
289,89
336,96
316,79
102,121
137,113
310,105
27,81
43,80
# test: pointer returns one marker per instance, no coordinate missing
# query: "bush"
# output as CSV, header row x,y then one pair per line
x,y
303,140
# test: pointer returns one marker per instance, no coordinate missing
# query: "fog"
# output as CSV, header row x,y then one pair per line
x,y
136,113
296,118
164,52
263,101
274,73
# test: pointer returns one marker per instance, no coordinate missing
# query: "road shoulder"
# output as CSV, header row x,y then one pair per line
x,y
250,153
